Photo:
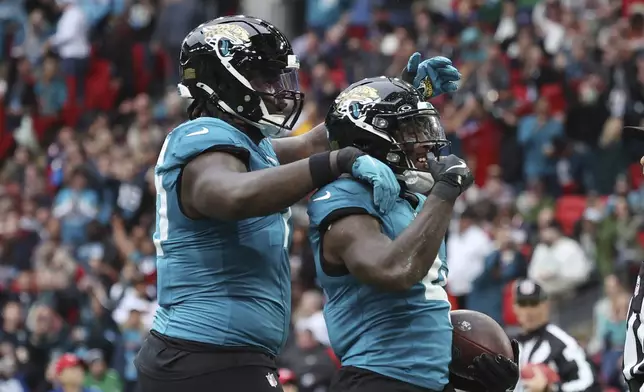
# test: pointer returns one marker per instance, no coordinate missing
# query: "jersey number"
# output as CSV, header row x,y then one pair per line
x,y
161,232
435,281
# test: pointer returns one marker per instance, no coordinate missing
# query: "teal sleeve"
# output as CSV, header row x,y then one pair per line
x,y
204,134
340,198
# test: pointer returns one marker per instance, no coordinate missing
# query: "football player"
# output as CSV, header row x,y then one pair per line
x,y
223,194
387,311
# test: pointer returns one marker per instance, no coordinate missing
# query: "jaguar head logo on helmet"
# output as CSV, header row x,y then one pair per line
x,y
243,67
388,119
354,101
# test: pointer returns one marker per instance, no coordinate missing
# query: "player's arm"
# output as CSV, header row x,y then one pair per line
x,y
293,148
218,185
358,242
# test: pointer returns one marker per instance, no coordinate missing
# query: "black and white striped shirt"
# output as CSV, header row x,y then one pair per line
x,y
552,346
633,348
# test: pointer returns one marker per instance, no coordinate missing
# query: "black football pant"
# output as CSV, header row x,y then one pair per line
x,y
164,367
353,379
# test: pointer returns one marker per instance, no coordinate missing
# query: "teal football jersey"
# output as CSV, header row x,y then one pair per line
x,y
225,283
406,336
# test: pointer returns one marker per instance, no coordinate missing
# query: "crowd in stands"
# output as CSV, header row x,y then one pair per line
x,y
87,95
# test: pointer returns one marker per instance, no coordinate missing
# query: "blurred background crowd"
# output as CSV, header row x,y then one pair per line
x,y
87,94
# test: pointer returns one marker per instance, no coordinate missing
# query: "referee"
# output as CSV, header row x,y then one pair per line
x,y
633,348
542,342
633,351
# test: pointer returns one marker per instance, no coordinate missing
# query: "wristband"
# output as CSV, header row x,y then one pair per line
x,y
320,168
346,158
446,191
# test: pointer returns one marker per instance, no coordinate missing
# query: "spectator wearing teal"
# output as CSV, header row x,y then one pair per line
x,y
536,134
501,267
322,14
610,329
12,13
75,206
50,89
31,37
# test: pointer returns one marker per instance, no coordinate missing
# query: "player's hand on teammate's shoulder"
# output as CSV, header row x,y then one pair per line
x,y
497,373
386,188
452,171
433,76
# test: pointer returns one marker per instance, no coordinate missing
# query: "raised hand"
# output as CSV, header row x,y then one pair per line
x,y
432,77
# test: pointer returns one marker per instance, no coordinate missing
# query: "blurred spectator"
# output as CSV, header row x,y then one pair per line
x,y
70,375
20,96
322,14
13,333
537,134
75,206
45,339
132,332
50,89
558,263
610,330
71,42
534,200
312,362
8,378
100,376
13,14
502,266
621,230
288,380
587,233
467,246
30,41
176,18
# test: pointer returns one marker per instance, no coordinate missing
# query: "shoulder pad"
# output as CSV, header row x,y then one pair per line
x,y
197,136
340,194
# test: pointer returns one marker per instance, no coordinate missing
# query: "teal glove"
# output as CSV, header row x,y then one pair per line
x,y
386,188
432,77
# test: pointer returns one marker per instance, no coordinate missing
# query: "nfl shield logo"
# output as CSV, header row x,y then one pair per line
x,y
271,379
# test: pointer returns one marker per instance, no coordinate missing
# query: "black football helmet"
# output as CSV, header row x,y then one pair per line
x,y
245,67
388,119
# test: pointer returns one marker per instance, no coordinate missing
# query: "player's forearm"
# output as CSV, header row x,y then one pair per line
x,y
408,258
260,193
293,148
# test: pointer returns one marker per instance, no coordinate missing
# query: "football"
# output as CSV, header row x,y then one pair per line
x,y
474,334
